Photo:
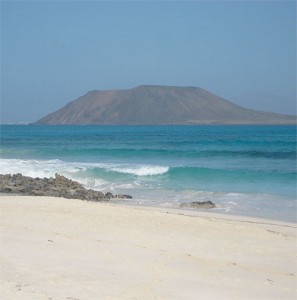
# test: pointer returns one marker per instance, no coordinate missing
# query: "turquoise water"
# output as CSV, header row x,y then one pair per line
x,y
247,170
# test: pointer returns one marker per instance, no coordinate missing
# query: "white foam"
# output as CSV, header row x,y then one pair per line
x,y
39,168
141,170
78,171
48,168
92,183
33,168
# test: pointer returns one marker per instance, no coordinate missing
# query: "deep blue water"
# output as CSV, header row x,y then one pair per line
x,y
243,169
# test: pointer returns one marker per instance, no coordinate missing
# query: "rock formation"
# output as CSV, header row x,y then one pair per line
x,y
198,204
59,186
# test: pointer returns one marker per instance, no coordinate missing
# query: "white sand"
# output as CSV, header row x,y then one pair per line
x,y
54,248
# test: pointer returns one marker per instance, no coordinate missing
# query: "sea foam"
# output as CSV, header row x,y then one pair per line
x,y
142,170
98,176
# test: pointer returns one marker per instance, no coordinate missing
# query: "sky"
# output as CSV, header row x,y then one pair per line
x,y
52,52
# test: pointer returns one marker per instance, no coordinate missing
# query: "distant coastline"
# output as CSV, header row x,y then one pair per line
x,y
144,125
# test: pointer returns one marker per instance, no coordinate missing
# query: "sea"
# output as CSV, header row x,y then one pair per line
x,y
244,170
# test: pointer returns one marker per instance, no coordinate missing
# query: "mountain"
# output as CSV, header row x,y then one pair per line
x,y
151,104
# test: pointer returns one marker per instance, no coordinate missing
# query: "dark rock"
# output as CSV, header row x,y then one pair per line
x,y
124,196
119,196
59,186
109,195
199,204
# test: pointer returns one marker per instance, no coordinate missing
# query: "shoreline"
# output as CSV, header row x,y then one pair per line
x,y
214,212
63,249
209,213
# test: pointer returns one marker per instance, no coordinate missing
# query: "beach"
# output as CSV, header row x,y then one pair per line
x,y
55,248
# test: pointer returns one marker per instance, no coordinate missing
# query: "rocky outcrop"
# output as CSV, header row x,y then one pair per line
x,y
198,204
59,186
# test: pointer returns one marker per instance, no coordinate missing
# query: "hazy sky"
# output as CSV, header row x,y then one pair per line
x,y
55,51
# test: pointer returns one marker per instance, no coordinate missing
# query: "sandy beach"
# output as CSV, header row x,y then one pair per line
x,y
54,248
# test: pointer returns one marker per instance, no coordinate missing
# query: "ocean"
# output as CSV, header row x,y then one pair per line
x,y
246,170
